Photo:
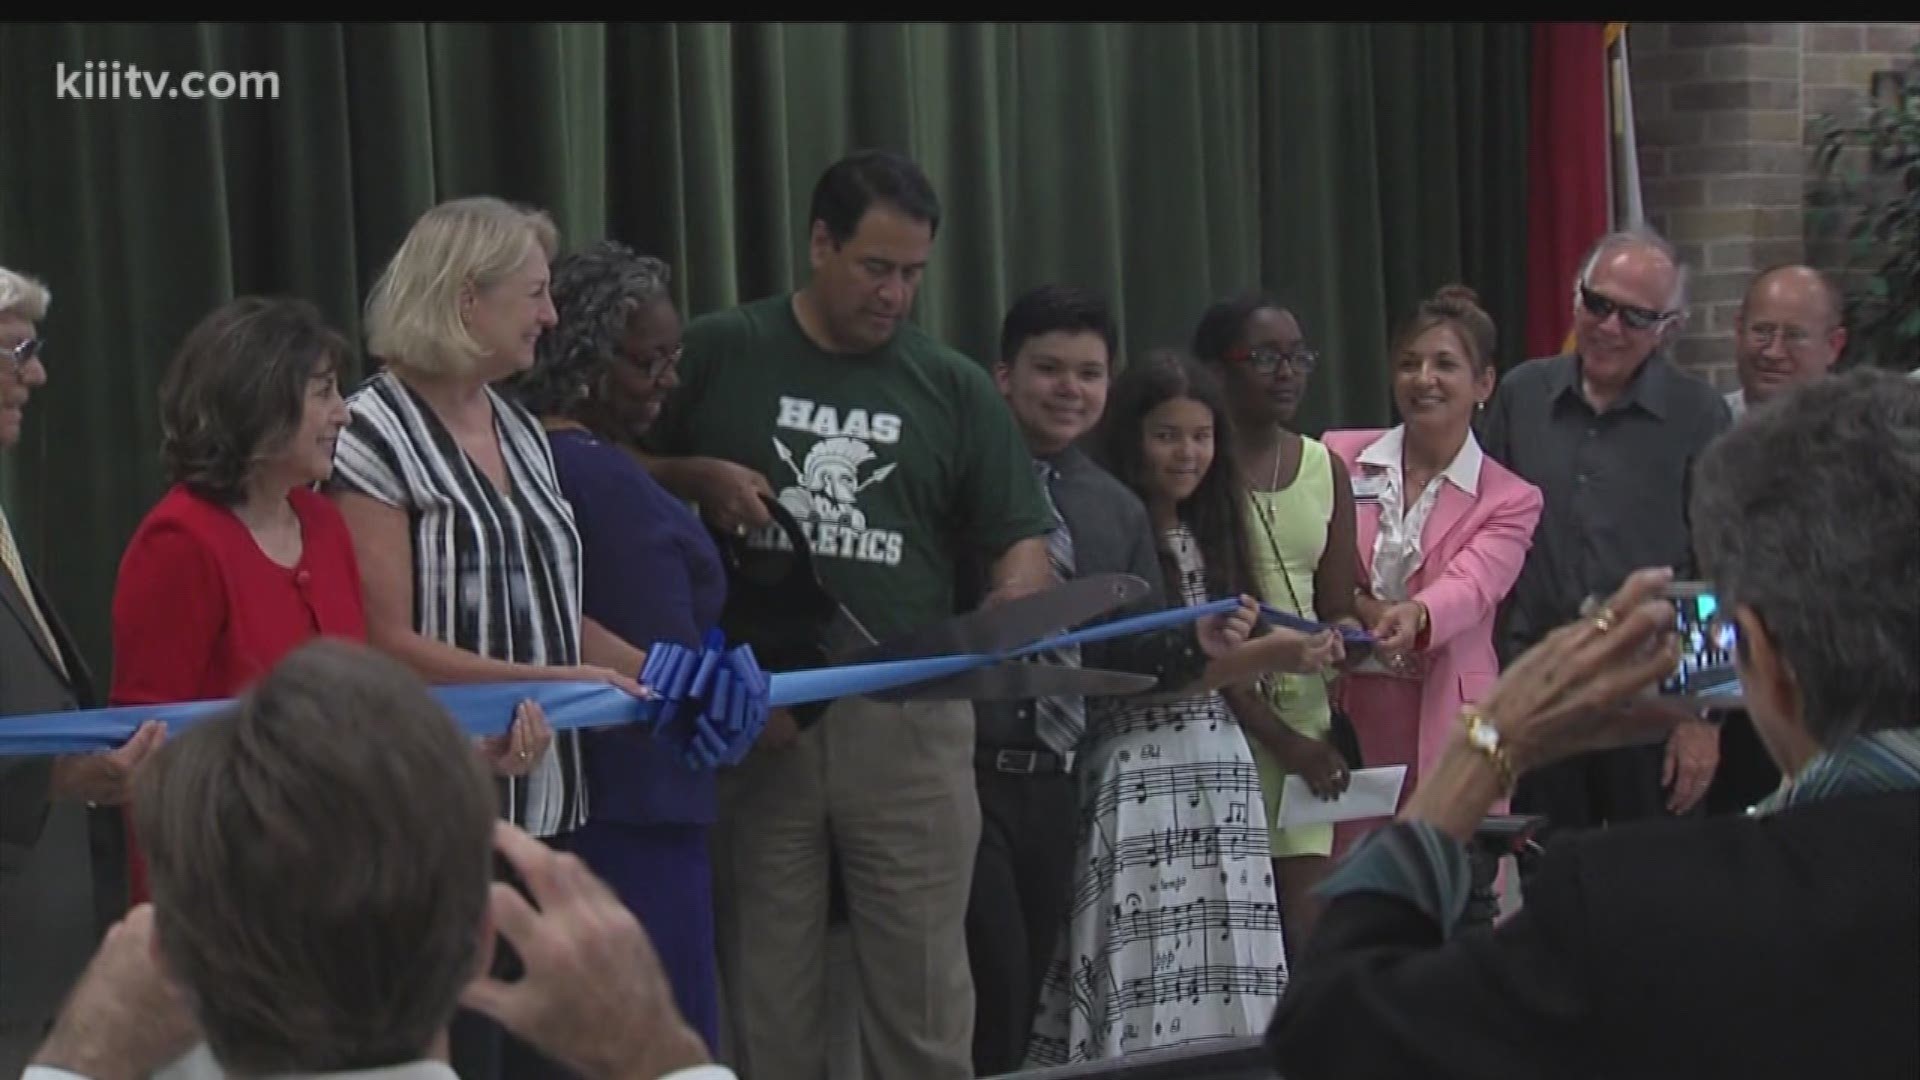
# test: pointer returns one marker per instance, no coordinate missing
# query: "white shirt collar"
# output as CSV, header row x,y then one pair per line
x,y
199,1064
1737,401
1462,472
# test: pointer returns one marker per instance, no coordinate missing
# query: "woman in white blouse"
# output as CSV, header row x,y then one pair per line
x,y
1442,531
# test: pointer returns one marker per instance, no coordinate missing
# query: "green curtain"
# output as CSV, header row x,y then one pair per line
x,y
1351,168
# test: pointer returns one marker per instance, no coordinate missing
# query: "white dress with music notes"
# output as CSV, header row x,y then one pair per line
x,y
1174,936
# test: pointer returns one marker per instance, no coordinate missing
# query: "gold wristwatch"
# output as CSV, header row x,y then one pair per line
x,y
1484,737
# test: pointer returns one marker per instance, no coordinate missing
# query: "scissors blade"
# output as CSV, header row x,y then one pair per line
x,y
1014,623
1020,681
844,636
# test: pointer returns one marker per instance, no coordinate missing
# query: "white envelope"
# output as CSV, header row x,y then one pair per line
x,y
1371,793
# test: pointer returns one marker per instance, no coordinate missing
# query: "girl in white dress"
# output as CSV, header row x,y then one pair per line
x,y
1175,934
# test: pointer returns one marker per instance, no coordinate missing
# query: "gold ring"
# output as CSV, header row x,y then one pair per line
x,y
524,755
1603,621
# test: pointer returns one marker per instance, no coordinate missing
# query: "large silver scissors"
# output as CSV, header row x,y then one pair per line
x,y
777,603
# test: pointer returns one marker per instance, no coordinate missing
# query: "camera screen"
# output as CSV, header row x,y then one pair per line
x,y
1706,638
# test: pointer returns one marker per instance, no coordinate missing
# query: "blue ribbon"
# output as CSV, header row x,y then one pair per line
x,y
1348,634
709,703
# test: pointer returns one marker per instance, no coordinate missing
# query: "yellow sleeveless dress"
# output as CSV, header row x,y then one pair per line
x,y
1297,519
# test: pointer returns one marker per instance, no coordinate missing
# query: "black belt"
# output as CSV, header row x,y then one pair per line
x,y
1023,761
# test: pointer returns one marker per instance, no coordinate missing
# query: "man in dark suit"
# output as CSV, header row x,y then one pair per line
x,y
62,844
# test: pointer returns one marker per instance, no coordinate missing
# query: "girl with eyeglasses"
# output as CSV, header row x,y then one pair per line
x,y
1300,534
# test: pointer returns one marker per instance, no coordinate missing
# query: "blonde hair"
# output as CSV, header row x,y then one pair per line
x,y
413,313
23,296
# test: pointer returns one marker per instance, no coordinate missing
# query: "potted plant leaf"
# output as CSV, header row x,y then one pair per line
x,y
1869,164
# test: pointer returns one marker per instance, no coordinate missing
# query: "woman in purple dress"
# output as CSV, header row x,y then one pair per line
x,y
652,574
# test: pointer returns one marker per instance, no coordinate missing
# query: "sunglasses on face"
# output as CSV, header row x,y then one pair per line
x,y
1267,361
19,356
1636,318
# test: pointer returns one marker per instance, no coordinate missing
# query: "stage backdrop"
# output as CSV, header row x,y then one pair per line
x,y
1352,168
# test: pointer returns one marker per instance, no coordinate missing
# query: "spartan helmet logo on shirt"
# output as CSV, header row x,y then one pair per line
x,y
828,482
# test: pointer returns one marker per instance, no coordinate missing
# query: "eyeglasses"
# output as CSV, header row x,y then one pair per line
x,y
15,359
1764,334
1267,361
1636,318
658,365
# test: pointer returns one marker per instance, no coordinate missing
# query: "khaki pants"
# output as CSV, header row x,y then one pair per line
x,y
891,788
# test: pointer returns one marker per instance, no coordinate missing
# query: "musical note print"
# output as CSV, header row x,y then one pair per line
x,y
1176,933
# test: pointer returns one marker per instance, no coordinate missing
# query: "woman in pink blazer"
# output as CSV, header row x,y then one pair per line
x,y
1442,532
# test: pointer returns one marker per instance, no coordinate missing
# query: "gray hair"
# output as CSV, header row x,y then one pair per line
x,y
1639,236
23,296
1808,512
595,293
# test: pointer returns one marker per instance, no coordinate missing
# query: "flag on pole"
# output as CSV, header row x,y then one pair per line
x,y
1629,210
1570,182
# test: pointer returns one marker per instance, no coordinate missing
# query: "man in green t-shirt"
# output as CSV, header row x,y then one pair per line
x,y
897,457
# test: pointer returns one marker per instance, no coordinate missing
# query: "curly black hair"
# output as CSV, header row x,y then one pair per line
x,y
595,293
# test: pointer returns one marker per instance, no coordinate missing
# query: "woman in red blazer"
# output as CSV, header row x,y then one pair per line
x,y
241,562
1442,532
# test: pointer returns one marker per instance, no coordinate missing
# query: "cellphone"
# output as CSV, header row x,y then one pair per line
x,y
1706,669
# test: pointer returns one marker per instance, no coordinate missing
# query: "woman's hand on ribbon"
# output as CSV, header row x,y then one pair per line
x,y
1399,627
591,673
1221,634
524,744
1287,649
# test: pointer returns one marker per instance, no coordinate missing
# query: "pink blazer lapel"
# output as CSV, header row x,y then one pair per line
x,y
1349,445
1449,510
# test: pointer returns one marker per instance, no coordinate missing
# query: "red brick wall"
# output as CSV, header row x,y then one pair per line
x,y
1723,114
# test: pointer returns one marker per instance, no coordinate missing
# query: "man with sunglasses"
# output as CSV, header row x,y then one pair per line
x,y
54,811
1609,433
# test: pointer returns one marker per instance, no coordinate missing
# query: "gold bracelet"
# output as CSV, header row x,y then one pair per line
x,y
1484,737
